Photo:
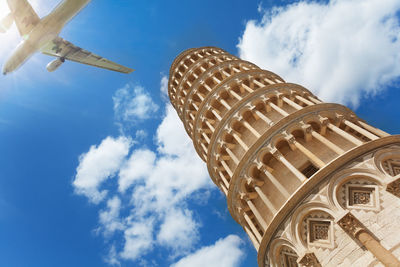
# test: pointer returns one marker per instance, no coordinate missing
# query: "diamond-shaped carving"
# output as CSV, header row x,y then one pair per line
x,y
394,188
309,260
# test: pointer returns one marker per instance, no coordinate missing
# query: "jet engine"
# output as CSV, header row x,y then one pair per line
x,y
55,64
6,23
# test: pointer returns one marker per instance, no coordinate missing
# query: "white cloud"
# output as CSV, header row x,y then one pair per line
x,y
178,231
164,86
112,257
166,177
109,218
138,239
224,253
342,50
173,179
140,135
172,138
98,164
158,181
161,182
132,104
139,166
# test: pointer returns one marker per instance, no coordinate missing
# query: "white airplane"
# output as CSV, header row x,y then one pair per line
x,y
42,35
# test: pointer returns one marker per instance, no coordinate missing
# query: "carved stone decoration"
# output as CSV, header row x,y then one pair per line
x,y
309,260
290,261
361,198
394,187
359,194
350,224
392,166
317,230
288,257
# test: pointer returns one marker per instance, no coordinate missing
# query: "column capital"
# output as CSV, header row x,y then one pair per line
x,y
247,196
354,117
350,224
275,152
230,130
250,106
238,117
291,140
264,98
339,117
253,182
323,120
263,167
307,128
239,210
228,145
242,210
219,156
220,142
324,124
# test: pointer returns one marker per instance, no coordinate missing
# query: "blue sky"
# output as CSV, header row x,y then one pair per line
x,y
95,167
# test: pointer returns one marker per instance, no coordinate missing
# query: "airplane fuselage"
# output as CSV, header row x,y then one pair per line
x,y
44,32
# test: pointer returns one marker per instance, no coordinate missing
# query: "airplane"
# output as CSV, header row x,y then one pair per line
x,y
42,35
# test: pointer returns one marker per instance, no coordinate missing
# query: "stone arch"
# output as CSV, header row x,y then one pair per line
x,y
312,225
312,118
283,253
387,161
342,177
265,156
296,130
278,141
246,113
314,122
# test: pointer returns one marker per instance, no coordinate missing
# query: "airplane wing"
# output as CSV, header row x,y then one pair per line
x,y
64,49
24,15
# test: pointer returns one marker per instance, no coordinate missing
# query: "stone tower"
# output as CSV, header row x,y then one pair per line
x,y
310,182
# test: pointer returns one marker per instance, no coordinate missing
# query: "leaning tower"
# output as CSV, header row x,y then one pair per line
x,y
310,182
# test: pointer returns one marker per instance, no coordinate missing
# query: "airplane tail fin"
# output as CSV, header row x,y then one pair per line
x,y
24,15
6,23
